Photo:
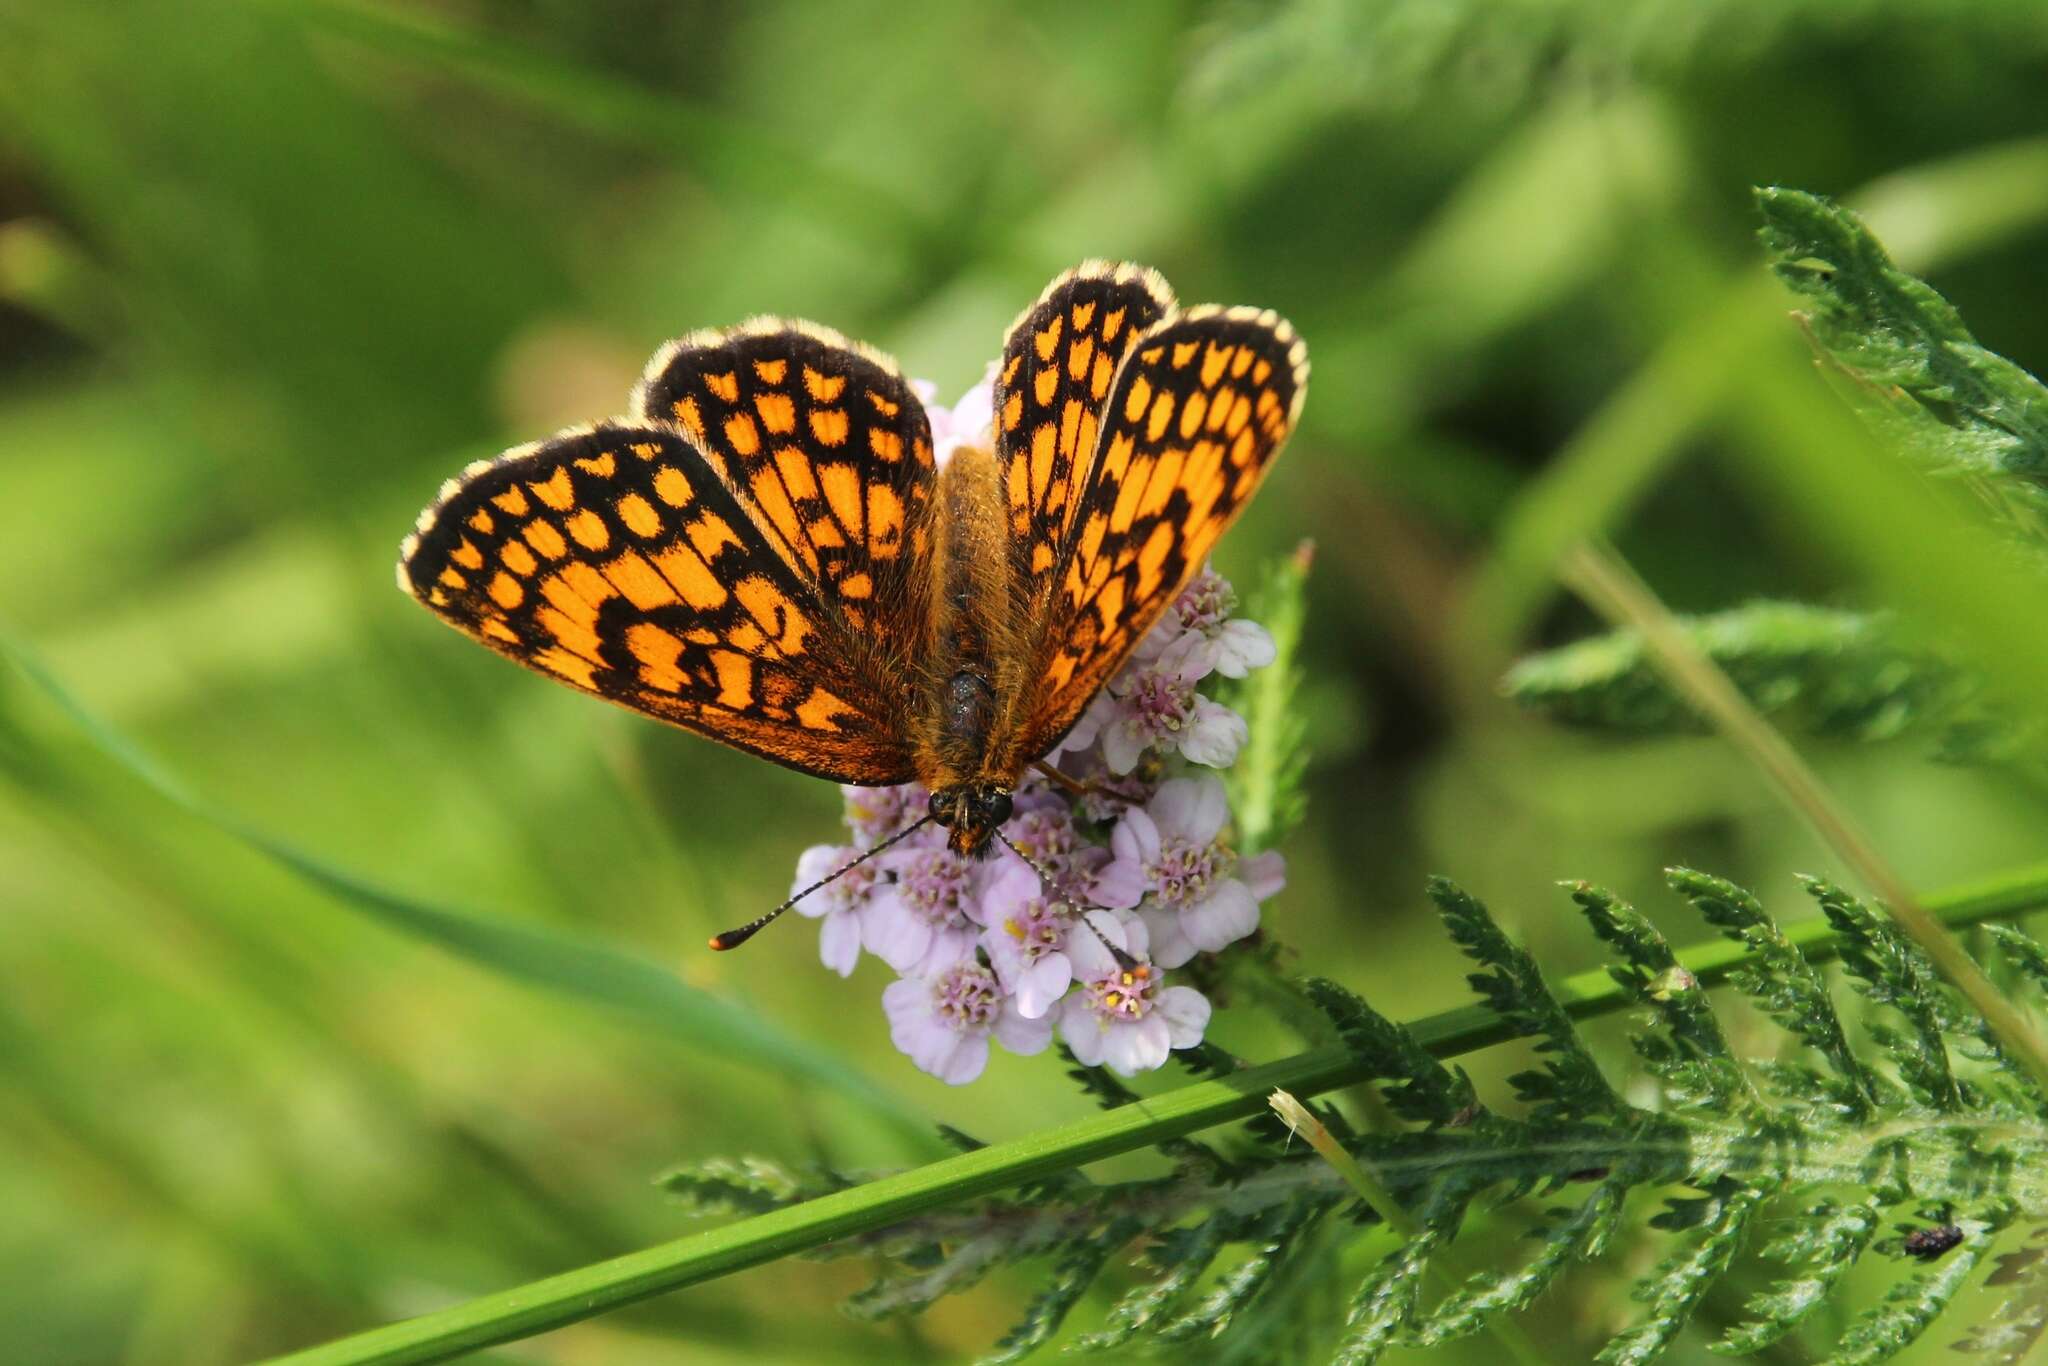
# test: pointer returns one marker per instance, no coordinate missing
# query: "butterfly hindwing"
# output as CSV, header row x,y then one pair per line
x,y
1201,404
827,444
617,560
1059,360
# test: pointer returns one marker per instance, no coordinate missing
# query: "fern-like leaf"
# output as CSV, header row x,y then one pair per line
x,y
1687,1052
1578,1235
1826,1241
1831,674
1893,972
1267,784
1910,1307
1286,1227
1075,1270
733,1185
1916,367
1243,1259
1513,987
1674,1290
2019,1321
1422,1089
1780,980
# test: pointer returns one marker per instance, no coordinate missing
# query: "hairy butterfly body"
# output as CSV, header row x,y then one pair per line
x,y
766,551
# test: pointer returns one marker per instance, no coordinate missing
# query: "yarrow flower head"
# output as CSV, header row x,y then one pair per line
x,y
1172,862
1112,871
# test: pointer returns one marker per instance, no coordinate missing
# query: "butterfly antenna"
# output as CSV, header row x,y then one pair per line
x,y
1045,875
732,939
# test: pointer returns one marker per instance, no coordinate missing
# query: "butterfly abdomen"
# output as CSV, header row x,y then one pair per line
x,y
973,664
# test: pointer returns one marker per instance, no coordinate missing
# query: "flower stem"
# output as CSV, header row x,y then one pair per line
x,y
562,1299
1606,581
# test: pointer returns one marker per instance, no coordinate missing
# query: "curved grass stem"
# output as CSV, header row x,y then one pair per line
x,y
1606,581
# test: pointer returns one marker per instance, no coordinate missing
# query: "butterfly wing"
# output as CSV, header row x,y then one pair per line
x,y
630,562
824,443
1059,360
1201,404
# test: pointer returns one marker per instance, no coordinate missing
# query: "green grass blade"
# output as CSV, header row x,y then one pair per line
x,y
566,965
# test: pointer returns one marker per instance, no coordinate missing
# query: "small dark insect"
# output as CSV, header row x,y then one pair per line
x,y
1930,1243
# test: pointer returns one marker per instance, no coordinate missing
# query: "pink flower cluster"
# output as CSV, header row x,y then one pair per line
x,y
1076,928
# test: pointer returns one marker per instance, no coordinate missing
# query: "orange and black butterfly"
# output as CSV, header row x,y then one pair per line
x,y
765,551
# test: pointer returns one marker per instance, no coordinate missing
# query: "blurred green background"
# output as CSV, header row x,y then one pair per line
x,y
270,271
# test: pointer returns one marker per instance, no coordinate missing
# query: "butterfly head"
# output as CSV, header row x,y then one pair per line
x,y
971,813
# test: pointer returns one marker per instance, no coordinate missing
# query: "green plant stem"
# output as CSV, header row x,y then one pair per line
x,y
563,1299
1613,589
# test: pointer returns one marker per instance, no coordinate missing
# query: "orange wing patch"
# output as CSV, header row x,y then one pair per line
x,y
1202,403
1059,361
815,435
631,571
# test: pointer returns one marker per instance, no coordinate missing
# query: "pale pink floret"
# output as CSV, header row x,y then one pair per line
x,y
943,1022
838,903
1170,852
1198,636
1122,1016
1045,840
876,813
1232,649
969,422
921,922
1158,708
1026,940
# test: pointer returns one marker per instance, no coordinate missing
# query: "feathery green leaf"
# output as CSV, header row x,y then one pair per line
x,y
1513,987
1831,674
1915,366
1268,792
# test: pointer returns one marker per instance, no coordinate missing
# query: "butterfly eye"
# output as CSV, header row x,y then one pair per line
x,y
940,807
996,807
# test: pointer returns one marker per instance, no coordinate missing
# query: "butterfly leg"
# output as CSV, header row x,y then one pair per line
x,y
1076,787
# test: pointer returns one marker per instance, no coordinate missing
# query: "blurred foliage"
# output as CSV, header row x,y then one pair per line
x,y
1839,675
270,272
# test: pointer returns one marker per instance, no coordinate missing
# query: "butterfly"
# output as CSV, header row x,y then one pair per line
x,y
764,550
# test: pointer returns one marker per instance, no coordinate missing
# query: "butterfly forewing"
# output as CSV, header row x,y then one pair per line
x,y
1198,409
617,560
824,440
1059,360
